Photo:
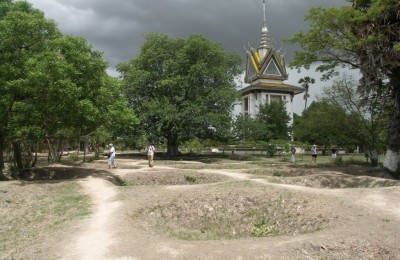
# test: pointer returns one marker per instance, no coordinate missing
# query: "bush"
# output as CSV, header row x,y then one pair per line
x,y
190,178
338,161
262,228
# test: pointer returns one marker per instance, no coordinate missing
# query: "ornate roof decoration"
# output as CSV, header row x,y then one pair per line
x,y
265,62
265,42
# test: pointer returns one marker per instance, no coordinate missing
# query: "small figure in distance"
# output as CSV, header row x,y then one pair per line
x,y
334,153
293,153
111,156
150,153
314,154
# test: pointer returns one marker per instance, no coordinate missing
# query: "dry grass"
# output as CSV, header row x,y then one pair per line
x,y
210,206
30,211
231,211
170,177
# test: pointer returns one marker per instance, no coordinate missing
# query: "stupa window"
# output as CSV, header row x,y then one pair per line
x,y
246,104
275,98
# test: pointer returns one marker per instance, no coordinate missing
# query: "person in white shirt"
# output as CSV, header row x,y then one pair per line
x,y
314,153
111,156
150,154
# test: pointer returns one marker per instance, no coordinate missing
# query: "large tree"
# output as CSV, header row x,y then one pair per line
x,y
275,119
63,85
366,118
271,123
181,88
24,32
364,35
54,88
324,124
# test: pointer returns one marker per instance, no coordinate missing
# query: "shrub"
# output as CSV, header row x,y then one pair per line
x,y
262,228
338,161
190,178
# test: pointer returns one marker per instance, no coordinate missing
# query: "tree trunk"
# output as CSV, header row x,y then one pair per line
x,y
2,165
96,149
172,146
18,154
392,158
84,150
35,157
55,149
373,156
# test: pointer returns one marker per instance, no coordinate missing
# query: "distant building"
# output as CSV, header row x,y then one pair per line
x,y
265,73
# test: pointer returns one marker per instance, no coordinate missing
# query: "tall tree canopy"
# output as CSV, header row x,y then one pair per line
x,y
181,89
53,87
275,119
366,120
324,124
271,123
363,35
24,32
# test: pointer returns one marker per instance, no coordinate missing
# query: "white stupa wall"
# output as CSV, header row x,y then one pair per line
x,y
260,98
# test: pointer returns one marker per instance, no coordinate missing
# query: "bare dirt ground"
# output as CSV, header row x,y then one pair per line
x,y
228,209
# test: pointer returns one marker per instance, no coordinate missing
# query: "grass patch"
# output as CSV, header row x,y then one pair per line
x,y
190,178
118,181
30,211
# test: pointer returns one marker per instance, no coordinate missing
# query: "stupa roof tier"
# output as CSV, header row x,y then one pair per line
x,y
272,87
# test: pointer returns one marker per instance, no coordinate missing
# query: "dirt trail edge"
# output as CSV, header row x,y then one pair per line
x,y
369,230
95,239
384,201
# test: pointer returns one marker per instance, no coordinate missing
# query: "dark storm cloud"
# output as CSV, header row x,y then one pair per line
x,y
117,27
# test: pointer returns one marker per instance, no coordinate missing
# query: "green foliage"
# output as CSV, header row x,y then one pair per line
x,y
331,27
118,119
275,119
271,149
338,161
24,33
194,145
305,83
271,123
364,35
276,147
324,124
181,88
277,174
245,128
397,47
262,228
53,87
366,119
190,178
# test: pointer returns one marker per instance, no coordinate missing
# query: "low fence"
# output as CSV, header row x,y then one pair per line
x,y
261,151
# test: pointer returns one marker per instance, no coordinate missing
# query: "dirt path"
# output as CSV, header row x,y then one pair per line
x,y
385,200
100,241
94,241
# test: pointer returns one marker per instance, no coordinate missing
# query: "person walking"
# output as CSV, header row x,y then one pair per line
x,y
293,153
314,154
150,154
111,156
334,153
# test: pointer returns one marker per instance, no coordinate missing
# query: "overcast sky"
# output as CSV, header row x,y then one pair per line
x,y
117,27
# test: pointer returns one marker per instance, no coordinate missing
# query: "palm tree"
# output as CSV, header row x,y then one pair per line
x,y
305,84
